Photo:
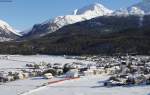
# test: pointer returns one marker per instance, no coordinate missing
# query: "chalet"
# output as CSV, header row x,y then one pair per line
x,y
48,76
73,73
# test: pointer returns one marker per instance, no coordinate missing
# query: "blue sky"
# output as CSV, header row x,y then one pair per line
x,y
23,14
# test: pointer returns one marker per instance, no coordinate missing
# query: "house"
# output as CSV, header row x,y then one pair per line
x,y
88,72
57,66
73,73
48,76
99,71
3,77
19,75
10,78
26,75
111,70
59,71
92,67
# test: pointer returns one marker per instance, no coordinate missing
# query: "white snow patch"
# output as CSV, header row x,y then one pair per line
x,y
90,85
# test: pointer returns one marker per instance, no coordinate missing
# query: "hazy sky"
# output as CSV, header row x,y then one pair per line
x,y
23,14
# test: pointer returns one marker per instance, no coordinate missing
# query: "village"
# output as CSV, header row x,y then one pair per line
x,y
123,70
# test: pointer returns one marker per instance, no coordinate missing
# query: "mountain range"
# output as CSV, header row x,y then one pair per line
x,y
78,15
93,29
105,35
83,14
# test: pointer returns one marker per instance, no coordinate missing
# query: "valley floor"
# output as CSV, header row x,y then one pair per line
x,y
87,85
90,85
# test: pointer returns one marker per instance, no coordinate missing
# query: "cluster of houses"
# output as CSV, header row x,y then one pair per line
x,y
12,76
131,70
48,71
123,70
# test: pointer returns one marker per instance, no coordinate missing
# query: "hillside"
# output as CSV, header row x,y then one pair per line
x,y
103,35
82,14
7,33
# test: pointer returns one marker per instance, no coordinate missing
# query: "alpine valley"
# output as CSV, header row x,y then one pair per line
x,y
93,29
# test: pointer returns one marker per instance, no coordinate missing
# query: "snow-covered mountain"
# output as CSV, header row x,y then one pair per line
x,y
85,13
7,33
144,6
141,8
93,10
128,11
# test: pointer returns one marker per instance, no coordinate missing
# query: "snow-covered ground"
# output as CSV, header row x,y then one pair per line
x,y
21,86
19,61
87,85
90,85
12,62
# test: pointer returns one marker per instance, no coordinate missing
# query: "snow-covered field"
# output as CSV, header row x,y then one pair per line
x,y
87,85
90,85
21,86
19,61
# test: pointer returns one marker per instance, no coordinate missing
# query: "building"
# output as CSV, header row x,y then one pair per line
x,y
72,73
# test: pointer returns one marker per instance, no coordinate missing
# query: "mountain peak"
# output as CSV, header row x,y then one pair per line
x,y
85,13
144,5
141,8
96,7
136,11
5,26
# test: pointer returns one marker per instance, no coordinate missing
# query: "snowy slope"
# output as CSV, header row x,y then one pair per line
x,y
95,9
136,10
82,14
144,5
141,8
128,11
85,13
7,33
6,26
78,15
